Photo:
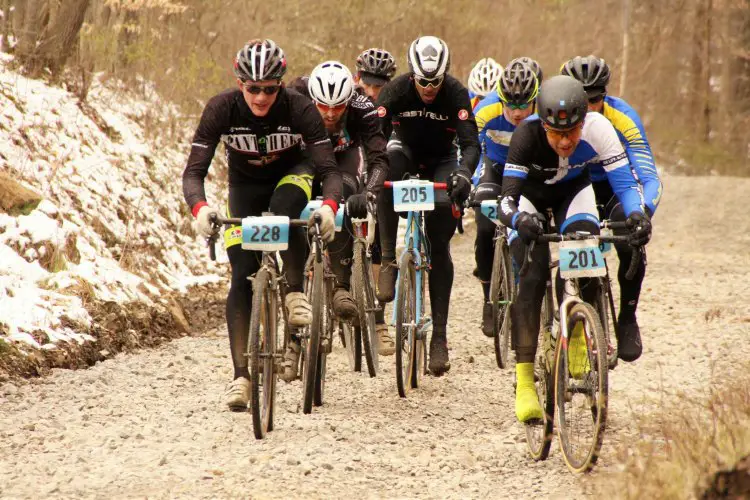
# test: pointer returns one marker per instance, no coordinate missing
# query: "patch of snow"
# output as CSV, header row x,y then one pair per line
x,y
112,206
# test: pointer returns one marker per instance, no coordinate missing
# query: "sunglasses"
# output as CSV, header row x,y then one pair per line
x,y
562,134
325,108
518,106
596,100
430,82
256,89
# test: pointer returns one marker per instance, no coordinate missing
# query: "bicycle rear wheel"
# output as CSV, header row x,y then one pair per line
x,y
406,344
605,306
500,296
312,350
581,400
364,295
539,433
262,352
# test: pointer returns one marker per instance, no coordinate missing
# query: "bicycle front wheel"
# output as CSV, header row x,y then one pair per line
x,y
406,331
501,289
262,352
581,378
315,294
364,295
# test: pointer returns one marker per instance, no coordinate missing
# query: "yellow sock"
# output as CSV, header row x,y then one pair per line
x,y
527,400
578,359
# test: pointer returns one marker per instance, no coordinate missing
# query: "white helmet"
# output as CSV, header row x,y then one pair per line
x,y
484,76
331,84
429,57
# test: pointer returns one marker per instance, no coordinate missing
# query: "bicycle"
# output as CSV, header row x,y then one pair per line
x,y
413,196
268,234
502,283
364,336
316,340
558,387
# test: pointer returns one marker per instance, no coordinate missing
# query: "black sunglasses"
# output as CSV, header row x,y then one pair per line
x,y
256,89
430,82
597,99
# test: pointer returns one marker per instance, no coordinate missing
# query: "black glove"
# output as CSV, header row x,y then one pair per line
x,y
529,227
357,205
459,187
640,229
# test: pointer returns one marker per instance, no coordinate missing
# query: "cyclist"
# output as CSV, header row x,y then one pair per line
x,y
429,111
483,79
594,73
375,68
262,126
497,116
547,167
352,123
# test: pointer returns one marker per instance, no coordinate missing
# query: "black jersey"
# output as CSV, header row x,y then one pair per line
x,y
360,128
430,130
260,149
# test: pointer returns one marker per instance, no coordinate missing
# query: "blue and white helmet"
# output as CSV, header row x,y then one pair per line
x,y
429,57
331,84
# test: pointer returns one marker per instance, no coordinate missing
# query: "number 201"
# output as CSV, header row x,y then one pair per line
x,y
580,259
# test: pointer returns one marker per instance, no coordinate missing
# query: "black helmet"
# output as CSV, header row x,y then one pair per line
x,y
376,65
591,71
429,57
260,60
518,84
562,102
532,64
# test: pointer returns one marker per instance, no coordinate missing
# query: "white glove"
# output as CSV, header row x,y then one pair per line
x,y
205,227
327,222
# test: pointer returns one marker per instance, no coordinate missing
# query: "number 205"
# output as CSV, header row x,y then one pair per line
x,y
414,195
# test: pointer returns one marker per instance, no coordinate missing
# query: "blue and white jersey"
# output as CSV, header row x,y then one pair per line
x,y
531,161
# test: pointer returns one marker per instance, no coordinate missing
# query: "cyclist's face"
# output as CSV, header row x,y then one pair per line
x,y
429,92
259,102
331,115
516,116
596,104
372,91
564,142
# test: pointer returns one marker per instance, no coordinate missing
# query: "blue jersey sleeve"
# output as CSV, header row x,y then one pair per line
x,y
631,133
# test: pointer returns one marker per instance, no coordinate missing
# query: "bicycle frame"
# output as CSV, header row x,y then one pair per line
x,y
414,238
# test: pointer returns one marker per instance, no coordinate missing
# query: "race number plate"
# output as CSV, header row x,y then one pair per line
x,y
489,210
313,205
268,233
413,195
581,259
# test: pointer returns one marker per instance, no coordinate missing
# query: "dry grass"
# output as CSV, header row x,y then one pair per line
x,y
682,450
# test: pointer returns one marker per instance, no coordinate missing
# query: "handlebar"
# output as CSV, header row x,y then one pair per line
x,y
555,237
438,186
218,221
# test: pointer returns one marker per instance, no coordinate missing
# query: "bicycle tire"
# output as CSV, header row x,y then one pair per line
x,y
310,368
595,400
501,297
539,434
364,297
405,335
262,353
353,345
325,344
605,307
